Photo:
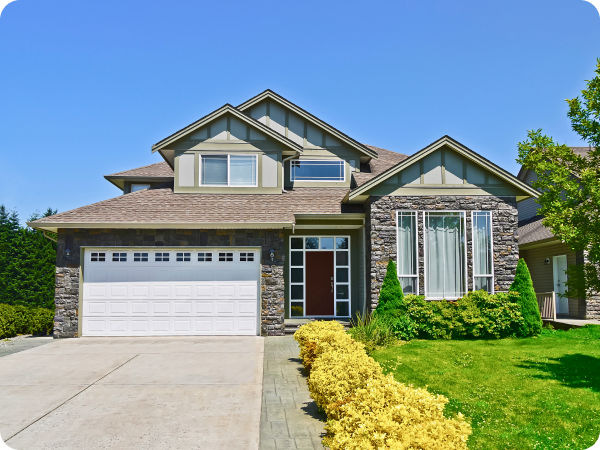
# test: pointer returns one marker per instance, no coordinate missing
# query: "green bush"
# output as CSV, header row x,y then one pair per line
x,y
372,330
478,315
532,325
15,320
391,297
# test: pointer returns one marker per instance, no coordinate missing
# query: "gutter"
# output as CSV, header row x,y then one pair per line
x,y
283,171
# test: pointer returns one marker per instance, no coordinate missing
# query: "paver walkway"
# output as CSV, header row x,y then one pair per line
x,y
290,418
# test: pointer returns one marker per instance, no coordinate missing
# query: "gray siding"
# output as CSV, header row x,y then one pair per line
x,y
528,208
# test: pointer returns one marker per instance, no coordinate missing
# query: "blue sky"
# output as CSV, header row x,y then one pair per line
x,y
86,87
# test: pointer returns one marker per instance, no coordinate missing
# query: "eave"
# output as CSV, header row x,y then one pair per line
x,y
54,226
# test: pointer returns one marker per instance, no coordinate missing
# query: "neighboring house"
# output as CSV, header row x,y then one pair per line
x,y
548,258
263,212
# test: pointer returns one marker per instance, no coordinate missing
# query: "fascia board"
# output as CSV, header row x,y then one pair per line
x,y
343,216
459,148
217,113
53,226
139,178
308,116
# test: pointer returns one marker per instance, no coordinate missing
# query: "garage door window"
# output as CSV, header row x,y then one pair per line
x,y
246,256
122,257
184,257
161,257
98,257
225,256
205,257
140,257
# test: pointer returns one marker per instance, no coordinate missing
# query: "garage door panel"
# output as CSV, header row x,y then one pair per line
x,y
142,298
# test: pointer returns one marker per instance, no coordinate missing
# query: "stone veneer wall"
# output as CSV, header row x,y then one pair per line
x,y
67,270
381,228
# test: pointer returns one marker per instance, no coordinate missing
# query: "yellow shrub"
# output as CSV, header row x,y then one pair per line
x,y
311,331
311,336
386,414
337,373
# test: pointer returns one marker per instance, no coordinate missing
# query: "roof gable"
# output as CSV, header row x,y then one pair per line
x,y
216,117
317,132
426,169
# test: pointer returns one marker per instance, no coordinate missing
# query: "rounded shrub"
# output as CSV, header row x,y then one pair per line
x,y
532,325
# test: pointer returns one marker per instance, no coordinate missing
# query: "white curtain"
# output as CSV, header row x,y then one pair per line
x,y
445,259
407,264
242,170
482,250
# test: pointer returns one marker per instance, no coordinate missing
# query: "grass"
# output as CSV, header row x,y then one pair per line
x,y
537,393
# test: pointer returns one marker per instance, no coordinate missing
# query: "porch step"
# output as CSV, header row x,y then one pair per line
x,y
292,325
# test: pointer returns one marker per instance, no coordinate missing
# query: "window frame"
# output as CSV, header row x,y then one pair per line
x,y
131,190
254,155
492,276
414,214
463,214
341,161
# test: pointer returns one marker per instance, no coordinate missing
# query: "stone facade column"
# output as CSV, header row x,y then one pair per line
x,y
66,298
591,306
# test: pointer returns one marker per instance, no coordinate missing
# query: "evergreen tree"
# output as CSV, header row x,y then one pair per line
x,y
527,300
391,297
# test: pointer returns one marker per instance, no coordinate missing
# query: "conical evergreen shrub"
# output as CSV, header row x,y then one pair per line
x,y
527,300
391,297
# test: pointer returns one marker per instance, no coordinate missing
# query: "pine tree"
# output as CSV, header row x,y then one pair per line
x,y
527,300
391,297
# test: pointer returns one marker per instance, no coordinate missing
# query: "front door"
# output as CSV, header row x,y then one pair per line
x,y
319,284
559,264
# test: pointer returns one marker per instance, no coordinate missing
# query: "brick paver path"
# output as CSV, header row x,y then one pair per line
x,y
290,418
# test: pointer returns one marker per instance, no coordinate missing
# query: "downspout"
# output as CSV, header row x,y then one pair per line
x,y
49,237
283,171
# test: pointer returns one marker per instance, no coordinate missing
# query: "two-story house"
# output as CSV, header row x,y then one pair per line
x,y
548,258
263,212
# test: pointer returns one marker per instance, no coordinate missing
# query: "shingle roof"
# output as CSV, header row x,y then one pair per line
x,y
532,230
161,169
161,205
387,159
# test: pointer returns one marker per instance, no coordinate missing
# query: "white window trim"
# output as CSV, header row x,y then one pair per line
x,y
341,161
228,170
416,216
335,282
491,249
147,186
464,218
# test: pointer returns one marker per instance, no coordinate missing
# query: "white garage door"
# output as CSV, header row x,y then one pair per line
x,y
153,292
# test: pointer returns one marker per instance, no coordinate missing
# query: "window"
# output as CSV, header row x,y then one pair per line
x,y
445,254
246,256
161,257
140,257
407,251
321,170
225,256
205,257
228,170
184,256
98,257
483,254
119,257
139,187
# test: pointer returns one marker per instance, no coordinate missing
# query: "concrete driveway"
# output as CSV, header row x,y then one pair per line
x,y
133,393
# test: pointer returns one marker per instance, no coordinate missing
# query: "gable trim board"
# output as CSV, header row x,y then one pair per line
x,y
359,194
227,108
269,94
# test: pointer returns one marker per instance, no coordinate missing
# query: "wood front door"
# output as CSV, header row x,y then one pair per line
x,y
319,284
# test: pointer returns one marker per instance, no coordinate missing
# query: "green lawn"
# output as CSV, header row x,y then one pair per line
x,y
536,393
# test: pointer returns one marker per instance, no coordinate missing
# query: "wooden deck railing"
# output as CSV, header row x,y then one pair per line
x,y
547,304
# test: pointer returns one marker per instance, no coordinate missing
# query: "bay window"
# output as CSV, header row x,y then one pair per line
x,y
445,254
483,255
407,251
228,170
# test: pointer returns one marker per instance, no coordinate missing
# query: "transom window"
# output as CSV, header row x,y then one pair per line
x,y
225,256
228,170
139,187
161,257
119,257
246,256
184,257
98,257
140,257
407,252
205,257
317,170
445,254
483,254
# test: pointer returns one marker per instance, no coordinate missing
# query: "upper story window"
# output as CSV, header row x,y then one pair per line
x,y
317,170
139,187
228,170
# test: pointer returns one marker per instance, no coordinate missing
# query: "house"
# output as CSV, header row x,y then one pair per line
x,y
548,258
263,212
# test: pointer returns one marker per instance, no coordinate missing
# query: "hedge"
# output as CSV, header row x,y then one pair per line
x,y
366,409
16,320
